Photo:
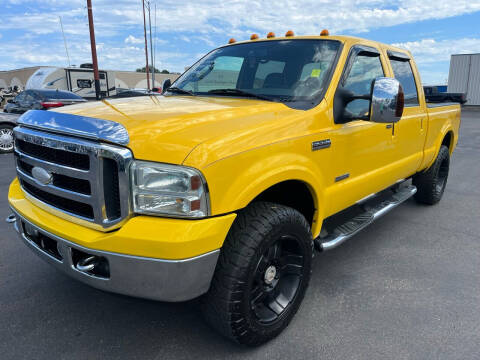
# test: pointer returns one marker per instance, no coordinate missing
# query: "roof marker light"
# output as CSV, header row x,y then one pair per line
x,y
254,37
289,33
271,34
232,40
324,32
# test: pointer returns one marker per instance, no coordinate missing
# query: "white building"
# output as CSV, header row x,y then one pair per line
x,y
464,76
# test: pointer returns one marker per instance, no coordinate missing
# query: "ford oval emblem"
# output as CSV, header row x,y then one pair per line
x,y
41,175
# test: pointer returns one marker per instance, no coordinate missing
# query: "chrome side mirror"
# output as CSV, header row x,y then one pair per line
x,y
387,101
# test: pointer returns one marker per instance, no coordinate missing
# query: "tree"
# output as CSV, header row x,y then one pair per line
x,y
165,72
150,68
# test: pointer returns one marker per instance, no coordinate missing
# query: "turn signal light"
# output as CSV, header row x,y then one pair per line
x,y
270,35
289,33
324,32
254,37
231,41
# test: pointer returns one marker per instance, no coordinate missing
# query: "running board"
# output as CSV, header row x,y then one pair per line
x,y
346,230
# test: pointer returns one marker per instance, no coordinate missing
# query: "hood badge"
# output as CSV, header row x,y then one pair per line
x,y
42,176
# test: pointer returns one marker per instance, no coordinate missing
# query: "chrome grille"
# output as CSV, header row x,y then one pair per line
x,y
86,179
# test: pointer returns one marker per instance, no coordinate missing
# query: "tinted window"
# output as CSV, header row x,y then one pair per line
x,y
20,97
313,69
268,70
84,83
403,73
364,70
222,73
54,94
29,96
280,70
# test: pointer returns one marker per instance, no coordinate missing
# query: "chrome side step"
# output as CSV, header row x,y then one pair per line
x,y
346,230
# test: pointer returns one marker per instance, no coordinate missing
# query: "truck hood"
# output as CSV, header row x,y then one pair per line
x,y
168,128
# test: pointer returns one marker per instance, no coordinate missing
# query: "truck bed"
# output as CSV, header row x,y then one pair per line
x,y
442,118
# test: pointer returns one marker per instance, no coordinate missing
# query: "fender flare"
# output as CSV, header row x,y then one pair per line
x,y
445,130
263,174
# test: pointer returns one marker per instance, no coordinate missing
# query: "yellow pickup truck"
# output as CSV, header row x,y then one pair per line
x,y
224,185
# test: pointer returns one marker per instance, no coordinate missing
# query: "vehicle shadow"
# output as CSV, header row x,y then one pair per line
x,y
94,324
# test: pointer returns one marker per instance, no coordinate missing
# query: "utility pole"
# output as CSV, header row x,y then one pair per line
x,y
146,46
94,50
151,44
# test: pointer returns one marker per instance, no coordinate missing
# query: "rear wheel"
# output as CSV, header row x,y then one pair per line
x,y
262,274
6,138
431,183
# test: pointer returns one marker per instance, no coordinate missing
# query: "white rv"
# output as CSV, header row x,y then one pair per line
x,y
77,80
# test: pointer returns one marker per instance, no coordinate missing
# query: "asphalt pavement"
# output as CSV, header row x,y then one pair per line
x,y
407,287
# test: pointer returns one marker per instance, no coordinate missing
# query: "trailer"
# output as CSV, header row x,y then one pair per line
x,y
77,80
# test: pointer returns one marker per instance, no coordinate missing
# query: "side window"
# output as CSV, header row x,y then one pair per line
x,y
269,74
403,73
84,83
29,97
20,97
222,73
364,69
36,95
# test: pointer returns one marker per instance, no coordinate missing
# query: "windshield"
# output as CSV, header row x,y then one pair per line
x,y
283,70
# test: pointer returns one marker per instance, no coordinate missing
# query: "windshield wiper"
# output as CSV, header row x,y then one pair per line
x,y
239,92
180,91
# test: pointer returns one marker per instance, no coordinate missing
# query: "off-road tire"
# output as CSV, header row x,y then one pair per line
x,y
431,183
227,306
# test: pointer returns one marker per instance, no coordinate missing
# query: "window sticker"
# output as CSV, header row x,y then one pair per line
x,y
315,72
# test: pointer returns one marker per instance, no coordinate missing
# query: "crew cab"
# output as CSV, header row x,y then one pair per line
x,y
224,185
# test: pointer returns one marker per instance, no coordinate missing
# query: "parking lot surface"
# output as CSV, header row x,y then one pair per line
x,y
407,287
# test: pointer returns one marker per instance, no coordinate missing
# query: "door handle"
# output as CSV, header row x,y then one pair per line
x,y
389,126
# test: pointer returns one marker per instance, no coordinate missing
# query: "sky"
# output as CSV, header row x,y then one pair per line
x,y
30,32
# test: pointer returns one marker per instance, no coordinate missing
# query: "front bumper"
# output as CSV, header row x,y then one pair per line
x,y
165,280
149,257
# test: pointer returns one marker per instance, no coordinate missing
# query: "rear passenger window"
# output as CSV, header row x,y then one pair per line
x,y
403,73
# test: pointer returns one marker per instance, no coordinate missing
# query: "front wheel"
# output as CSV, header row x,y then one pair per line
x,y
431,183
262,274
6,138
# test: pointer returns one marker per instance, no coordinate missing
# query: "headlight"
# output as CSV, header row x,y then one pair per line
x,y
170,190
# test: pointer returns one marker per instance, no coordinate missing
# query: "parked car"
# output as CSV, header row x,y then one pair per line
x,y
223,187
433,95
7,123
41,99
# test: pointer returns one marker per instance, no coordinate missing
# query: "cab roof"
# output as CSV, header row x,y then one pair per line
x,y
349,40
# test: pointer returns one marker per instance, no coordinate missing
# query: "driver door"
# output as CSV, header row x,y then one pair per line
x,y
363,151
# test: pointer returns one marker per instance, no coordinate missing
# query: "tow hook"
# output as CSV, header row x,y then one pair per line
x,y
90,264
86,264
11,218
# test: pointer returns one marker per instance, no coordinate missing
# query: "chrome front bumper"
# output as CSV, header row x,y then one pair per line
x,y
158,279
